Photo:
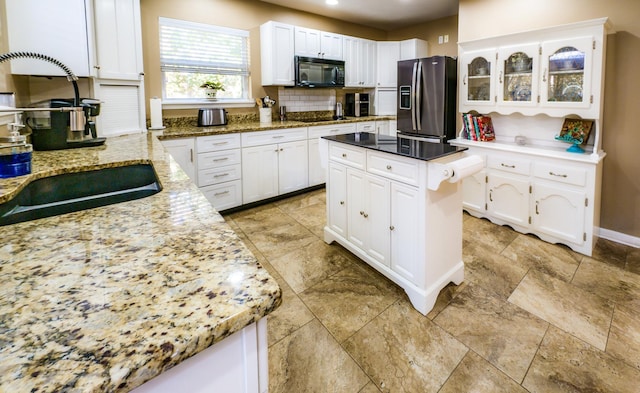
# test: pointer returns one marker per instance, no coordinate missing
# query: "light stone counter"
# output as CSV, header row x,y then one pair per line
x,y
105,299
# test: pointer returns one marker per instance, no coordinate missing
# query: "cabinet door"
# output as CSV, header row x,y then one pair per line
x,y
307,42
388,54
559,212
566,73
54,28
183,153
352,72
474,192
331,45
377,217
382,127
293,161
477,73
405,231
356,203
259,173
276,54
337,199
508,198
316,172
118,39
368,63
518,75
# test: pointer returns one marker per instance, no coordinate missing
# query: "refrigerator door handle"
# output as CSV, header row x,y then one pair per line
x,y
413,95
419,98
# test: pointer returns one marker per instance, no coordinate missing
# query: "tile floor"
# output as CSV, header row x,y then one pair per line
x,y
529,317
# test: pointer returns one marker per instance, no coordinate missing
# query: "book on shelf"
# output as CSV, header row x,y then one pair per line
x,y
478,127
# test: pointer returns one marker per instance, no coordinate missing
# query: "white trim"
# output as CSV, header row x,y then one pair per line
x,y
619,237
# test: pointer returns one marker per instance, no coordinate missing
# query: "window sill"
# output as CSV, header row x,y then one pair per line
x,y
207,103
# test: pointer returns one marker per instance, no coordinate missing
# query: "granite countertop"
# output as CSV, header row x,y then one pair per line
x,y
189,128
420,150
106,299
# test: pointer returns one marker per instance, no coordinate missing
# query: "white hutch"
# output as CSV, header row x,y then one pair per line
x,y
529,83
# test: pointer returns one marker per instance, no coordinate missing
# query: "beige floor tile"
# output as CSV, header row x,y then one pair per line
x,y
552,259
302,201
633,261
474,374
278,241
578,312
290,316
310,360
493,237
261,219
402,351
310,216
349,299
621,286
370,388
308,265
566,364
445,296
611,253
624,337
491,270
503,334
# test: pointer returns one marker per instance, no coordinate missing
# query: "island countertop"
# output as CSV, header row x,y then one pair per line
x,y
108,298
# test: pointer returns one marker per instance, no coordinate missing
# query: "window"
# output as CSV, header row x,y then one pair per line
x,y
192,53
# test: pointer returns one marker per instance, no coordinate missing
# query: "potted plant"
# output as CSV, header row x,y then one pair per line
x,y
212,87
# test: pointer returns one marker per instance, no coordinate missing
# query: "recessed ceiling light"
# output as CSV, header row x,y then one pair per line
x,y
331,2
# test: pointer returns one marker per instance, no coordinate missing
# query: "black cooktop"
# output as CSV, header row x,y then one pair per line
x,y
421,150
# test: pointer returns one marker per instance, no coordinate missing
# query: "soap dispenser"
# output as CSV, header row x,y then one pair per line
x,y
15,153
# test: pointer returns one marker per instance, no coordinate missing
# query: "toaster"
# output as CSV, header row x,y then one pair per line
x,y
211,117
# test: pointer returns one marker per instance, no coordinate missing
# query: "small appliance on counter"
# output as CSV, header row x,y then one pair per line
x,y
56,130
339,114
15,153
356,104
208,117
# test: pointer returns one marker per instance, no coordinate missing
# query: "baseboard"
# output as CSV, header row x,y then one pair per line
x,y
618,237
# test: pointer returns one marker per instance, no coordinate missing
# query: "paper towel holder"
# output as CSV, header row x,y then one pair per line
x,y
155,109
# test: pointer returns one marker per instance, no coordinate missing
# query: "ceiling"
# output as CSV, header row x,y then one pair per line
x,y
381,14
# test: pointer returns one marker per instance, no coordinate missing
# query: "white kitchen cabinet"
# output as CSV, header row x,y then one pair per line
x,y
474,192
219,165
385,101
382,127
508,198
183,152
317,174
478,79
388,54
393,127
379,208
316,43
277,54
413,48
360,60
366,126
559,212
118,39
273,163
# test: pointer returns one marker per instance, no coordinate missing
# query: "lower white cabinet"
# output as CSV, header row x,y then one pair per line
x,y
183,152
379,208
237,364
555,198
366,126
270,169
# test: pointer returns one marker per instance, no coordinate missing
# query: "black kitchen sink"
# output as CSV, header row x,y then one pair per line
x,y
71,192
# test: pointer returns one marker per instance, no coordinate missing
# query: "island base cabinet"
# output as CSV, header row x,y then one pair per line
x,y
237,364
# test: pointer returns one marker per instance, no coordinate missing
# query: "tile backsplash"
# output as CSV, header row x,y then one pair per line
x,y
306,100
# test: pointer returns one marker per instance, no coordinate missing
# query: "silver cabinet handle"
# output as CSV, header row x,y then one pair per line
x,y
220,159
392,227
221,175
557,174
537,212
361,213
344,155
365,215
502,164
389,167
342,202
191,155
500,77
221,193
277,136
220,143
491,195
464,79
544,75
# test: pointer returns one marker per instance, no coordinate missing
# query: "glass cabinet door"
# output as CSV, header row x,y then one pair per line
x,y
478,83
566,73
517,75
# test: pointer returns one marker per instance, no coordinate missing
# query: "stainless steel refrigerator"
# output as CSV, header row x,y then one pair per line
x,y
427,98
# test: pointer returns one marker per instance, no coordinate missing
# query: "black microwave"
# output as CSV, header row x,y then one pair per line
x,y
315,72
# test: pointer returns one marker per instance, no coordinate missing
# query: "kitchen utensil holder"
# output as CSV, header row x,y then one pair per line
x,y
265,115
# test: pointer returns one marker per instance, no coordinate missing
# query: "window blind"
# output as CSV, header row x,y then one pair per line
x,y
201,48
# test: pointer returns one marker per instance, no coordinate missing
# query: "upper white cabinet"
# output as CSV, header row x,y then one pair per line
x,y
555,71
413,48
316,43
118,39
276,54
359,55
54,28
388,54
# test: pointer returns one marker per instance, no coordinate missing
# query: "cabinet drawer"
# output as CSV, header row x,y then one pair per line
x,y
218,142
207,177
273,136
406,171
569,175
219,158
349,156
225,195
366,126
333,129
511,165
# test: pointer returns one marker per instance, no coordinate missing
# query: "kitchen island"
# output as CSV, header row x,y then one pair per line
x,y
397,210
108,298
